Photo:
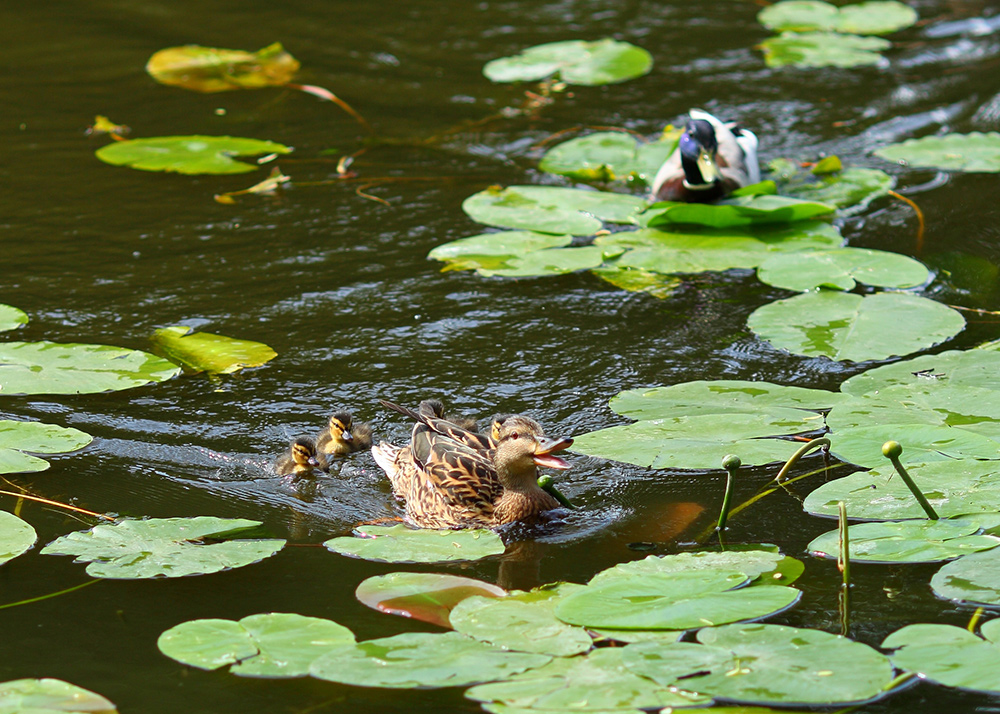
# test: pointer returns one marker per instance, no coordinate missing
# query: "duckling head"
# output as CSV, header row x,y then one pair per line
x,y
698,147
340,426
304,452
521,447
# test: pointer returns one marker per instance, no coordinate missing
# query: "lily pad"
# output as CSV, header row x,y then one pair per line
x,y
16,537
973,152
423,596
849,327
753,563
853,188
17,437
949,655
580,62
866,18
67,368
205,352
189,154
50,696
842,269
163,547
551,209
735,211
399,544
11,318
637,280
492,251
210,69
932,373
693,425
608,156
822,49
766,664
267,645
974,579
422,660
907,541
596,682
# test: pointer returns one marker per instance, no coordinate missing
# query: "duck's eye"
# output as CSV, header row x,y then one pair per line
x,y
514,435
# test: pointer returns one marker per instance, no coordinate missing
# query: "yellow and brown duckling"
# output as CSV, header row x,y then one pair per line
x,y
340,437
453,478
300,460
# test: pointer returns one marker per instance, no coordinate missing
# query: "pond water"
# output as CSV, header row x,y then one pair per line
x,y
341,288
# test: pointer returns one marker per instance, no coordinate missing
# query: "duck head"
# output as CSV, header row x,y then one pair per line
x,y
698,147
521,447
304,452
340,426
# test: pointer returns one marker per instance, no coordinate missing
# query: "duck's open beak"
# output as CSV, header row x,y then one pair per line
x,y
543,453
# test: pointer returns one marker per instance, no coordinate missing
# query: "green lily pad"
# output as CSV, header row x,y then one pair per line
x,y
16,437
755,564
163,547
11,318
930,373
50,696
842,269
907,541
67,368
422,660
205,352
766,664
608,156
949,655
274,644
637,280
210,69
551,209
16,537
189,154
822,49
921,443
735,211
973,152
492,251
865,18
974,579
429,597
679,601
604,61
399,544
849,327
693,425
596,682
852,188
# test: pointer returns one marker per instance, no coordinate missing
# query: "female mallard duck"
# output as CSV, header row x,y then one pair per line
x,y
452,478
435,408
713,159
340,437
299,460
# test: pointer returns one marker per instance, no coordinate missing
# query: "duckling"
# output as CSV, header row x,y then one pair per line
x,y
436,408
449,482
340,437
300,460
713,159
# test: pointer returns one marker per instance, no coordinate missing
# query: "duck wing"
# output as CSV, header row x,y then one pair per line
x,y
442,426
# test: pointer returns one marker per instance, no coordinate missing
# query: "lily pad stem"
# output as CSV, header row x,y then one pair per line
x,y
892,450
974,620
731,463
806,448
49,502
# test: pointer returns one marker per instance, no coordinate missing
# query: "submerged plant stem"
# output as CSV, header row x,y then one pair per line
x,y
50,595
919,247
56,503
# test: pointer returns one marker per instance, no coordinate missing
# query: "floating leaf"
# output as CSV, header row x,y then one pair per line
x,y
974,579
822,49
50,696
267,645
973,152
637,280
16,437
205,352
163,547
189,154
67,368
16,537
949,655
267,187
422,660
766,664
399,544
907,541
11,318
693,425
489,251
608,156
604,61
735,211
842,269
857,328
596,682
922,443
752,563
423,596
209,69
851,188
551,209
866,18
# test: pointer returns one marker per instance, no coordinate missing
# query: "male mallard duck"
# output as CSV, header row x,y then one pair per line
x,y
435,408
340,437
299,460
452,478
713,159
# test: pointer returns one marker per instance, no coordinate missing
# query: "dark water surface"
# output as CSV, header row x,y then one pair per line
x,y
341,288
